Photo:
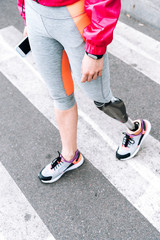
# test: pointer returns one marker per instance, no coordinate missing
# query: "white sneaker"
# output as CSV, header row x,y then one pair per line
x,y
133,140
53,171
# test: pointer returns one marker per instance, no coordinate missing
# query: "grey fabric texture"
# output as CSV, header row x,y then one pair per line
x,y
50,30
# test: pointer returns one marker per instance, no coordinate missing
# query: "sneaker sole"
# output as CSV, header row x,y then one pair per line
x,y
69,169
145,135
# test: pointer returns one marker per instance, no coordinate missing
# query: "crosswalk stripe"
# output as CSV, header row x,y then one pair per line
x,y
2,237
138,50
18,219
138,174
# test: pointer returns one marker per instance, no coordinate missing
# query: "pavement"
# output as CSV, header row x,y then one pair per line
x,y
105,199
145,11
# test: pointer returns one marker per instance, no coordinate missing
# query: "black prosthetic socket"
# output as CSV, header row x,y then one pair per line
x,y
136,126
115,109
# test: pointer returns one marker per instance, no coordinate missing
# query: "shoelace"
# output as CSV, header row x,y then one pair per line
x,y
127,140
56,162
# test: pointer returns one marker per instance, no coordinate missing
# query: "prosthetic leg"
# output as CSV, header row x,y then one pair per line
x,y
117,110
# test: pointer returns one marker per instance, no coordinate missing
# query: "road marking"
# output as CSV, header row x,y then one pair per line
x,y
2,237
137,49
106,138
18,220
135,179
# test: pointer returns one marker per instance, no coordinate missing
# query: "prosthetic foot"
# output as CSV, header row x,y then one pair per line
x,y
137,130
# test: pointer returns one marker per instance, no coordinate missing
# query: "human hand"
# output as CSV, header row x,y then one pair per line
x,y
25,33
91,68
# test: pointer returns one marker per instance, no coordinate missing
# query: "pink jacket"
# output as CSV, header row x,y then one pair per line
x,y
103,14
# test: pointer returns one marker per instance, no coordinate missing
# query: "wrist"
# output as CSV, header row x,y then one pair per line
x,y
96,57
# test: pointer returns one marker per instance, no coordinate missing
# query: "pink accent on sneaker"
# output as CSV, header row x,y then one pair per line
x,y
75,157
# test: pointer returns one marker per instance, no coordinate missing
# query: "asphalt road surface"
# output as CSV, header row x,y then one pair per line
x,y
105,199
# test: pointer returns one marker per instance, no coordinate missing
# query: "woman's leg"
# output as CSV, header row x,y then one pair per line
x,y
99,90
53,64
49,57
67,124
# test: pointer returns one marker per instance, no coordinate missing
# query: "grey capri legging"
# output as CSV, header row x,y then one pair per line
x,y
52,30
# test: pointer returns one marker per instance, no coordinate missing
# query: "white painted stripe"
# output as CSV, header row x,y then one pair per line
x,y
107,139
145,172
136,179
148,46
2,237
137,49
8,52
18,220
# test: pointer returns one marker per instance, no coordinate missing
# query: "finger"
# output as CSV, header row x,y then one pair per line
x,y
25,33
84,78
94,77
100,73
89,78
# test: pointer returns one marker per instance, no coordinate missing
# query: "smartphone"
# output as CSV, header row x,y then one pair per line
x,y
23,48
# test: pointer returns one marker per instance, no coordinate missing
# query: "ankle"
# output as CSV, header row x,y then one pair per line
x,y
138,128
68,156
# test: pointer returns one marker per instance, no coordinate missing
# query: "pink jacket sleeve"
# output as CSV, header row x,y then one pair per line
x,y
104,15
21,8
